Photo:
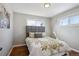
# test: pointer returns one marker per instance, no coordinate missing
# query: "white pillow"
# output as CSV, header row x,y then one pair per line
x,y
44,34
31,34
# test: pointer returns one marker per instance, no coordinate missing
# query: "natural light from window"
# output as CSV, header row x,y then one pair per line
x,y
34,23
69,21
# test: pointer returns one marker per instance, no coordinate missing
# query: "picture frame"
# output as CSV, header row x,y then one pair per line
x,y
4,18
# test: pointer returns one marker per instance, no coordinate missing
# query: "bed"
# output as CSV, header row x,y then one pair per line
x,y
46,46
42,45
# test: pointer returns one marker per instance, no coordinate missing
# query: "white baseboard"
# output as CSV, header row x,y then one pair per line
x,y
19,45
10,51
15,46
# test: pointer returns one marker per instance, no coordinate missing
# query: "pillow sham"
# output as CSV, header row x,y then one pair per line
x,y
38,35
31,34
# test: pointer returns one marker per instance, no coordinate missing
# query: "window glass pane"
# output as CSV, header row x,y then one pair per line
x,y
64,21
34,23
74,20
38,23
30,23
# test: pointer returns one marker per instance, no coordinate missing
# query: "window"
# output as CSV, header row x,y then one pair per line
x,y
30,23
70,20
34,23
74,20
64,21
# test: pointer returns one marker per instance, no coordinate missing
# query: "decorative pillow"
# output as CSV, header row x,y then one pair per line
x,y
38,35
31,34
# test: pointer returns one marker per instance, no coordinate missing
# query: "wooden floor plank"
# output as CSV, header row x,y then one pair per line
x,y
20,51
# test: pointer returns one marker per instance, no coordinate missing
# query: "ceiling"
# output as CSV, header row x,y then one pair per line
x,y
39,10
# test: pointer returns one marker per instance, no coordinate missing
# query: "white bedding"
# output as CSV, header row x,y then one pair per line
x,y
46,46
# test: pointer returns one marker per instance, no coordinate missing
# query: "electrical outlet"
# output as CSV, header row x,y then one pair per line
x,y
0,48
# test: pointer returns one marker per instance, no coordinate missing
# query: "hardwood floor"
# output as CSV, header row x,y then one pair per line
x,y
20,51
23,51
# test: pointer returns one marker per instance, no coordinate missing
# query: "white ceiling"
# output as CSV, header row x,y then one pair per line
x,y
39,10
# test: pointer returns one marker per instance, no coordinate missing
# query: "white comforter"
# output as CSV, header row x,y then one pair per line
x,y
46,46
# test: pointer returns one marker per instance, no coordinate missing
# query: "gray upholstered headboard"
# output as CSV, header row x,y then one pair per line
x,y
35,29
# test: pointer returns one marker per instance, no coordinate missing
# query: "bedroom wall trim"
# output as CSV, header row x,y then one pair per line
x,y
15,46
19,45
10,51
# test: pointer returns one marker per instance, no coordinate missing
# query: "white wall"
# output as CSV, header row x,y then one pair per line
x,y
20,23
70,34
6,38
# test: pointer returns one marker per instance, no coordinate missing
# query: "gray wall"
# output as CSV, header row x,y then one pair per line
x,y
20,23
70,33
6,38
